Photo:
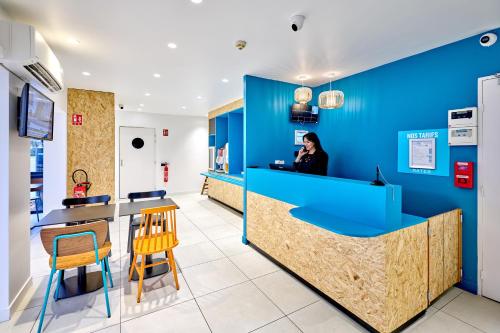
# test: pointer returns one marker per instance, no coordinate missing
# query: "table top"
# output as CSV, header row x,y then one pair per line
x,y
100,212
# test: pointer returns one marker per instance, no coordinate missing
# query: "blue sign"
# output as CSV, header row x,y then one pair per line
x,y
424,152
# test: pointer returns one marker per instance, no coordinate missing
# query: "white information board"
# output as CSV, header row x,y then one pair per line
x,y
299,134
422,153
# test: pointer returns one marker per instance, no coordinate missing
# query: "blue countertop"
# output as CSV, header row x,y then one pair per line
x,y
229,178
347,227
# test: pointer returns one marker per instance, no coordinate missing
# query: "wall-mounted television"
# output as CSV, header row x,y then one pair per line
x,y
303,113
36,114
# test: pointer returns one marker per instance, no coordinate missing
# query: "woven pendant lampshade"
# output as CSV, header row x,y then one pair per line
x,y
303,95
331,99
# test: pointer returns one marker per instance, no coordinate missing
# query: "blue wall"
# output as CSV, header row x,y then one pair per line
x,y
235,139
409,94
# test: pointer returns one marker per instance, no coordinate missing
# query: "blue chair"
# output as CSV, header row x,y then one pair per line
x,y
76,246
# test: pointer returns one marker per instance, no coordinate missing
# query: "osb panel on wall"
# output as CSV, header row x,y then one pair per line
x,y
436,287
91,146
358,273
226,108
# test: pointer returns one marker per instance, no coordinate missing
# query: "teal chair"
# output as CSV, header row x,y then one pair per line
x,y
76,246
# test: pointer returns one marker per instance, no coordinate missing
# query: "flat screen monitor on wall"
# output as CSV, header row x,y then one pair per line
x,y
36,114
303,113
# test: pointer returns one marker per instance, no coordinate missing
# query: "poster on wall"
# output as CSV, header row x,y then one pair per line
x,y
424,152
299,137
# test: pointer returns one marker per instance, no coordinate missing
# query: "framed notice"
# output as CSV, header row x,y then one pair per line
x,y
422,153
299,137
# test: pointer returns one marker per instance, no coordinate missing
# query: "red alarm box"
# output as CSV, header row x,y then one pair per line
x,y
464,174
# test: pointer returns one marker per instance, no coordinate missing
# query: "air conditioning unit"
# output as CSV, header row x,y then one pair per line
x,y
24,52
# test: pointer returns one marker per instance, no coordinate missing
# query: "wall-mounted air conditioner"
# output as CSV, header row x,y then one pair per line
x,y
24,52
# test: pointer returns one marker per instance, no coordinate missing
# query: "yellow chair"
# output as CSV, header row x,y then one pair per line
x,y
157,234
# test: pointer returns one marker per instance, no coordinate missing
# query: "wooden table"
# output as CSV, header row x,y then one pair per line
x,y
88,282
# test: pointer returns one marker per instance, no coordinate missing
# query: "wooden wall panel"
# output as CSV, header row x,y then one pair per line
x,y
91,146
436,287
230,194
361,274
226,108
451,248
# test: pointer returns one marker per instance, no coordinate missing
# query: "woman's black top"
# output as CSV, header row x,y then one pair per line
x,y
316,163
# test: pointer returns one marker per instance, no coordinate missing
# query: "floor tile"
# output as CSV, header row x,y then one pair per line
x,y
111,329
442,322
431,311
447,297
212,276
232,245
82,314
254,264
204,223
21,321
184,317
197,254
221,231
157,293
190,237
241,308
477,311
283,325
285,291
322,317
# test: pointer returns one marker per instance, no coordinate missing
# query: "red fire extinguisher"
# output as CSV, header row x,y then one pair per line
x,y
81,187
165,172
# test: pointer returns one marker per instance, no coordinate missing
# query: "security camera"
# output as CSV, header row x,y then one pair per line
x,y
488,39
297,21
121,106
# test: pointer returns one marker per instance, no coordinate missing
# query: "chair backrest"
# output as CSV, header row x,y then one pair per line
x,y
71,202
76,245
144,195
156,223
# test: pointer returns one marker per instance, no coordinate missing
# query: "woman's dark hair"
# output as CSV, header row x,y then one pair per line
x,y
313,137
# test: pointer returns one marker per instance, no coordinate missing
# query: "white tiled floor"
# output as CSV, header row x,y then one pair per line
x,y
225,286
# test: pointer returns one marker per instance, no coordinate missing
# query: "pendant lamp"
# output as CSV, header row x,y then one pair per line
x,y
303,95
331,99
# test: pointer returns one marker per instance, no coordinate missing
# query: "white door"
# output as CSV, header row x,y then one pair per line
x,y
489,181
137,160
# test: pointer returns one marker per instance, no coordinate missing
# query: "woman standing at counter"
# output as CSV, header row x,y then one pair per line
x,y
311,157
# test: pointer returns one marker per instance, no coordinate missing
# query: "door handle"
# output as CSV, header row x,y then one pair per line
x,y
121,163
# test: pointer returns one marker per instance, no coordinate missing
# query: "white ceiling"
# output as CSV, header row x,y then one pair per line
x,y
123,42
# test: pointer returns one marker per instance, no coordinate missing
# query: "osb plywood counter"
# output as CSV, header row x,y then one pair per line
x,y
384,278
227,189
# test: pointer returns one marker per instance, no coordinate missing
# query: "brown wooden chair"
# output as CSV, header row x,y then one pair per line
x,y
157,234
76,246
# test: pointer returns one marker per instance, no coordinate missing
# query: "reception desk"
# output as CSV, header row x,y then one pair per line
x,y
352,242
227,189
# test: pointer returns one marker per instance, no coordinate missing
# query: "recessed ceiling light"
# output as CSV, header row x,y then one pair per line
x,y
139,109
147,94
303,77
74,41
225,80
331,74
156,75
183,107
141,105
85,73
172,45
199,97
197,1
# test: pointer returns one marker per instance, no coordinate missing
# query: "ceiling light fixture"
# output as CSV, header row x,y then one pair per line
x,y
197,1
139,109
74,41
224,80
156,75
331,99
183,107
147,94
199,97
172,45
303,94
141,105
85,73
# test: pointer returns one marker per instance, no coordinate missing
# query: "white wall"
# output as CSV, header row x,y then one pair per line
x,y
14,197
185,148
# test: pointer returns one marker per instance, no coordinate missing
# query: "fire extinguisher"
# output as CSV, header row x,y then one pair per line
x,y
165,172
81,187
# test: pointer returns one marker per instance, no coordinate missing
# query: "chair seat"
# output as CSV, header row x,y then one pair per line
x,y
82,259
155,245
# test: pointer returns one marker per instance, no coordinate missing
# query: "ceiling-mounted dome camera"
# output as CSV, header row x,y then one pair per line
x,y
297,21
120,106
488,39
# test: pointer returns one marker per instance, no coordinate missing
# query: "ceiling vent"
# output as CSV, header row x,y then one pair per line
x,y
24,52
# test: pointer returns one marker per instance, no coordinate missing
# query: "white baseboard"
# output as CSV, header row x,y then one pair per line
x,y
5,313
